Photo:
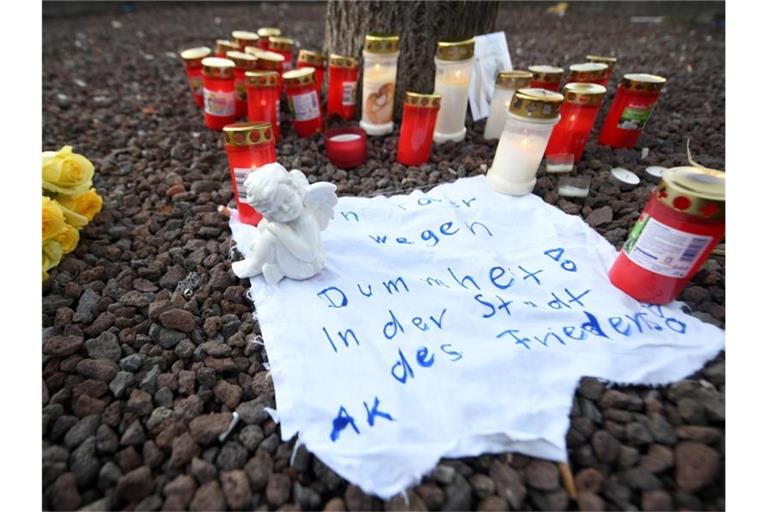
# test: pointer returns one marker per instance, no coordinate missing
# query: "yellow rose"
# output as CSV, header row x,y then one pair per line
x,y
66,172
73,218
51,256
87,203
53,219
68,239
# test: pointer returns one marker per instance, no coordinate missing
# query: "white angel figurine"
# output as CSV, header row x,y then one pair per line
x,y
287,241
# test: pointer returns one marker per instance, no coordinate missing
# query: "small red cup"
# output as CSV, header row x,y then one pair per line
x,y
346,147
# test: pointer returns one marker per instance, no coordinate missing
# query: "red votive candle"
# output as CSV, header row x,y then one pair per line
x,y
588,73
346,146
244,38
417,128
264,34
249,146
193,64
682,223
219,92
342,86
271,61
283,46
609,61
317,61
546,77
264,98
303,101
243,63
223,46
632,106
577,117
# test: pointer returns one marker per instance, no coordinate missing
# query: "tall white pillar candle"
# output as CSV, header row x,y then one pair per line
x,y
507,82
380,54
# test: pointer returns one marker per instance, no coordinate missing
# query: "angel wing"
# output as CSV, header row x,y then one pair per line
x,y
320,199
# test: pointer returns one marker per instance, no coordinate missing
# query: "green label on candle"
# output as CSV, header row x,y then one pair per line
x,y
634,117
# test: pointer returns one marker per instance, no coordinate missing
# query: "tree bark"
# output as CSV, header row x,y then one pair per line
x,y
420,26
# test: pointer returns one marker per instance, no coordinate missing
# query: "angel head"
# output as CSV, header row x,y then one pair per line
x,y
276,193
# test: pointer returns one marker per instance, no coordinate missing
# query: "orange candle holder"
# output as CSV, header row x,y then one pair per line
x,y
316,61
223,46
417,128
218,92
243,63
264,98
264,34
303,101
283,46
244,38
609,61
588,73
546,77
343,73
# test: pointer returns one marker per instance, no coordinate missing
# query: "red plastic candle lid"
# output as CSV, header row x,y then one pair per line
x,y
346,147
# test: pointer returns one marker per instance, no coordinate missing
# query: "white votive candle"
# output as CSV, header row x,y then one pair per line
x,y
453,72
507,82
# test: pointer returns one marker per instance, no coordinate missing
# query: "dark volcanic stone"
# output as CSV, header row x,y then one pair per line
x,y
696,465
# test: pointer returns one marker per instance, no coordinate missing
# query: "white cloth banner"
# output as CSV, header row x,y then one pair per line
x,y
455,323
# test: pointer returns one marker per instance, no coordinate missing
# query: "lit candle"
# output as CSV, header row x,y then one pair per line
x,y
218,92
453,72
263,98
249,146
577,117
244,38
283,46
243,62
420,114
193,63
317,61
342,86
223,46
631,108
589,72
507,82
546,77
304,102
532,114
380,54
610,61
264,34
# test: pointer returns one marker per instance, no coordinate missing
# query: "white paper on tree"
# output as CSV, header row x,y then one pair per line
x,y
491,56
455,323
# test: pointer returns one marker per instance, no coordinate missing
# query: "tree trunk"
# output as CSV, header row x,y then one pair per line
x,y
420,26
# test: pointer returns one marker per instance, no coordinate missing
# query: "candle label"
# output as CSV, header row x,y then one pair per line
x,y
379,99
305,106
634,117
349,91
664,250
242,94
240,176
219,103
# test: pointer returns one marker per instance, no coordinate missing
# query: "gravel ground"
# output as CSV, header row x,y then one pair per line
x,y
146,330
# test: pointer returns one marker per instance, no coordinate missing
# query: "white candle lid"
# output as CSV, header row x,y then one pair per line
x,y
624,177
655,170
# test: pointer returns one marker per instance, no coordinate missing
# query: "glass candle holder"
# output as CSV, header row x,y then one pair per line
x,y
380,53
609,61
193,64
507,82
420,112
342,86
453,72
631,108
263,92
316,61
683,221
532,114
243,63
303,101
283,46
223,46
577,117
218,92
589,73
346,146
546,77
249,146
264,34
